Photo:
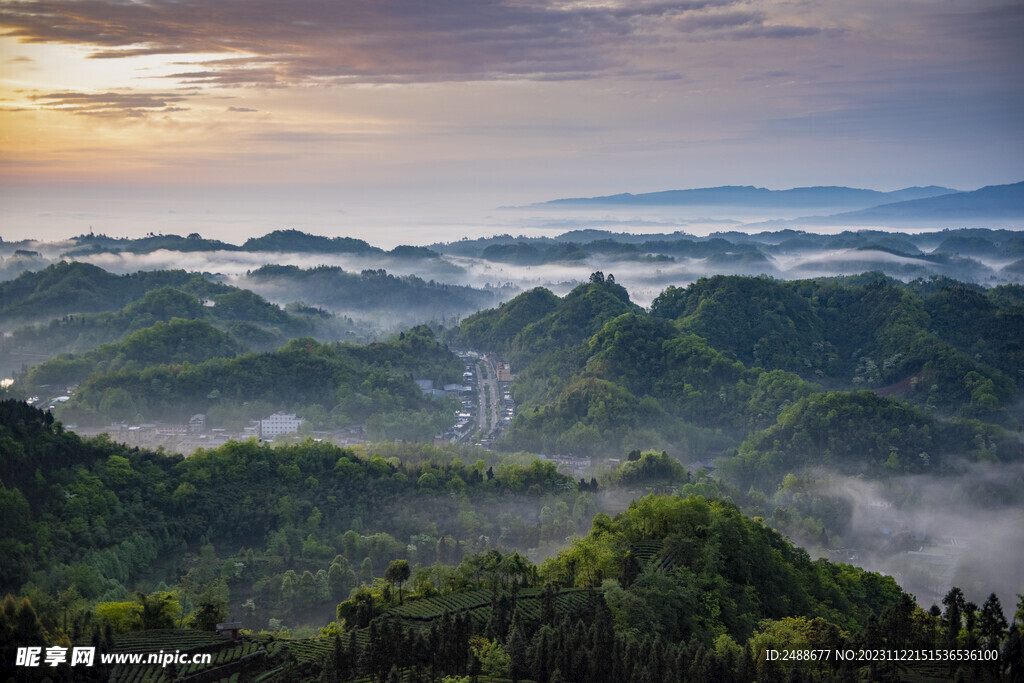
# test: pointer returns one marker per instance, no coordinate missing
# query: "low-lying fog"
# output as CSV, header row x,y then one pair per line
x,y
932,532
644,279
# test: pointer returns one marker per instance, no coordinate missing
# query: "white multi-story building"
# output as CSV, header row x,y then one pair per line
x,y
279,423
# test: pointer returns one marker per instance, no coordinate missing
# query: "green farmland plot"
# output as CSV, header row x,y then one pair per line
x,y
476,605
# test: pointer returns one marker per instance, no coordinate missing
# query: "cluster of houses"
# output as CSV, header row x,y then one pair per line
x,y
458,390
464,417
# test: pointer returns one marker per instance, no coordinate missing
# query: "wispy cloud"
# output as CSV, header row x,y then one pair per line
x,y
111,103
270,42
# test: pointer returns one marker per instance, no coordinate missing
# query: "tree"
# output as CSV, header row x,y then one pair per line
x,y
1013,655
158,609
953,617
897,622
539,653
992,623
306,588
366,570
359,609
516,647
208,615
340,577
26,628
490,657
398,572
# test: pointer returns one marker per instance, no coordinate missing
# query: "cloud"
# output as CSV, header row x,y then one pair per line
x,y
235,73
389,41
242,110
111,103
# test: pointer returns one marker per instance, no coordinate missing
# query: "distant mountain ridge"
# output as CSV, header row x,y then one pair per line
x,y
759,197
992,202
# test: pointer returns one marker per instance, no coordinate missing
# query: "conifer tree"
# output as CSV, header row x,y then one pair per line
x,y
953,617
28,631
540,652
1013,656
992,622
747,671
516,648
351,661
547,604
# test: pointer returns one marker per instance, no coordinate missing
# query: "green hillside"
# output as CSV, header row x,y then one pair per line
x,y
877,334
253,322
76,287
596,375
176,341
348,383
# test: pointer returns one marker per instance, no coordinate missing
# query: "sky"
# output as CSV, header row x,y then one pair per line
x,y
233,117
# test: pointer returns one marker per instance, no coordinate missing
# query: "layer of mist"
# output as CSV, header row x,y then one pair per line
x,y
647,268
934,532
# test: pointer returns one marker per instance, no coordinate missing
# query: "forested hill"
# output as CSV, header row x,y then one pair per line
x,y
676,553
730,353
369,292
251,322
267,535
496,328
671,589
107,517
867,333
177,341
75,287
327,383
537,322
184,331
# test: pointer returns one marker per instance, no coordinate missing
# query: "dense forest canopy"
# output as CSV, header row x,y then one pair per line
x,y
107,518
340,384
672,588
81,307
730,352
371,292
76,287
